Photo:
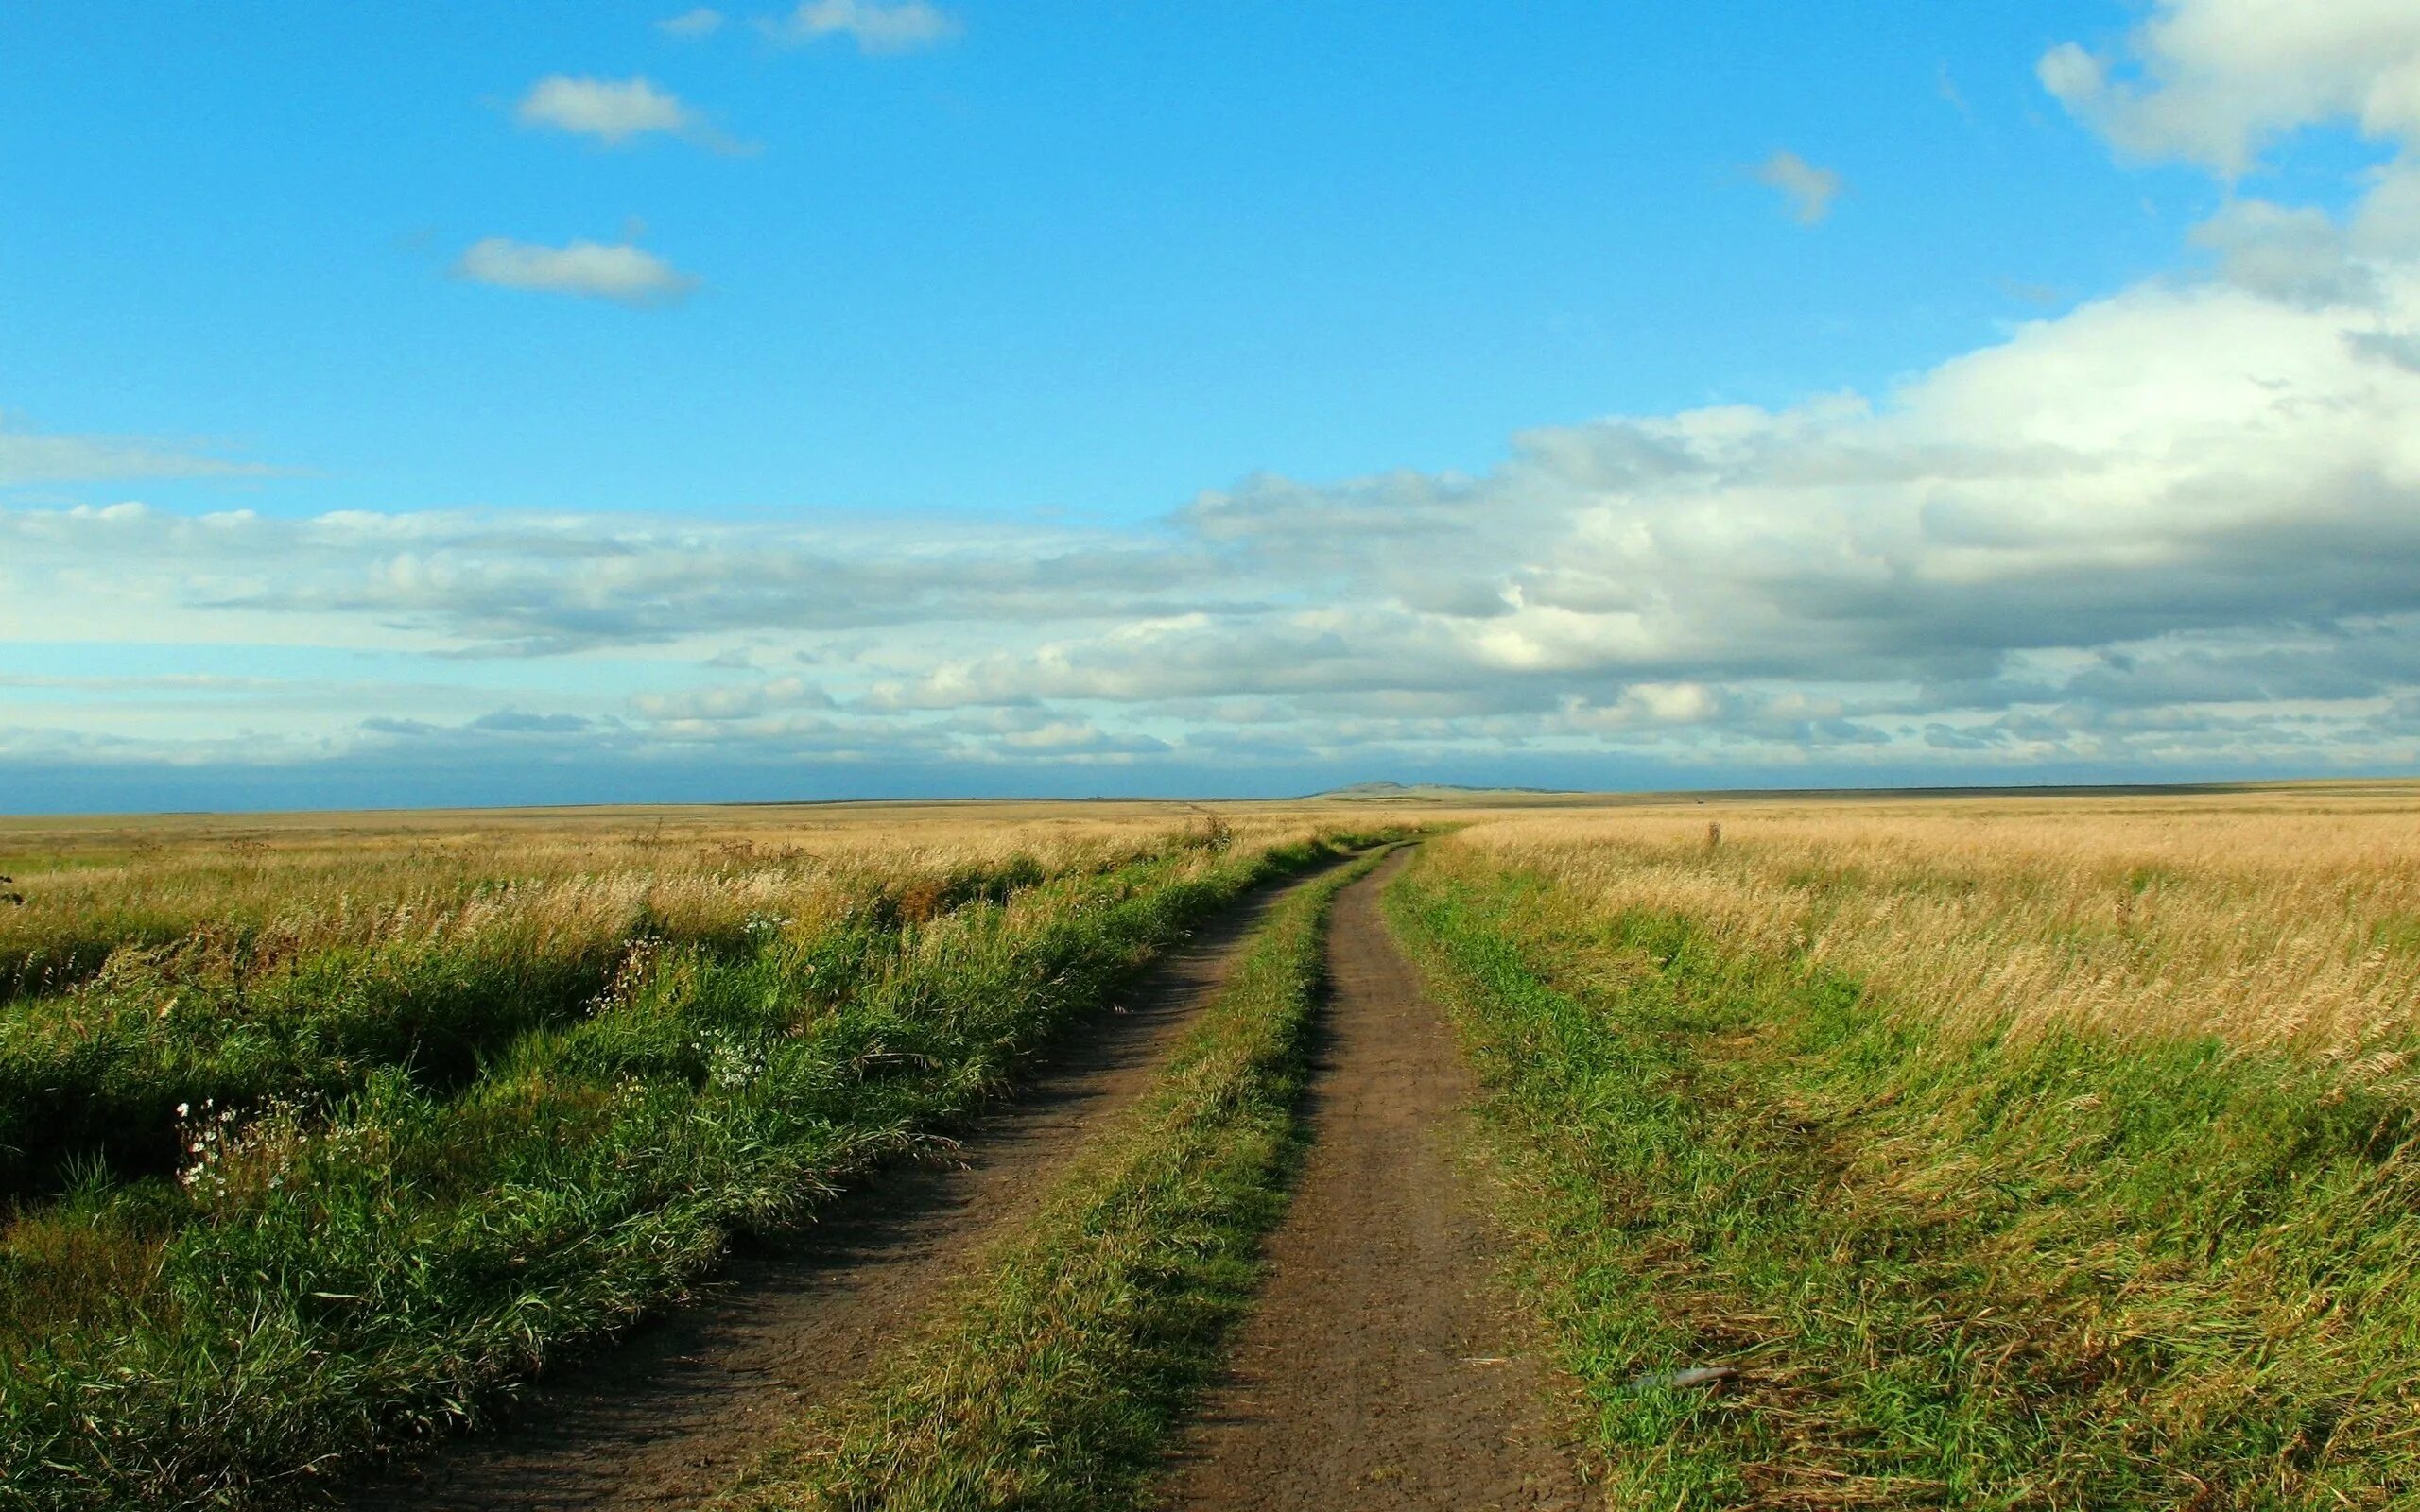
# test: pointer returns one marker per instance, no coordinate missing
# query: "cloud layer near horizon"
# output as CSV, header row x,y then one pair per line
x,y
2179,524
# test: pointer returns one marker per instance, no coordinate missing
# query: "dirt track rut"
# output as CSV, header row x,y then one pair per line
x,y
1380,1367
674,1411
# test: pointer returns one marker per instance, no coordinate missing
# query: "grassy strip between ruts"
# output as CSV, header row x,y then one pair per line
x,y
1051,1383
382,1273
2057,1270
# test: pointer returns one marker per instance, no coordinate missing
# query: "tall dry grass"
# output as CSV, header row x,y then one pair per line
x,y
273,887
2287,920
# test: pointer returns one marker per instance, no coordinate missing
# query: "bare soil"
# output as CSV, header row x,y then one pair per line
x,y
673,1413
1382,1368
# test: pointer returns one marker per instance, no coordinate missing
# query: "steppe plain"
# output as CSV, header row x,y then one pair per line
x,y
1401,1147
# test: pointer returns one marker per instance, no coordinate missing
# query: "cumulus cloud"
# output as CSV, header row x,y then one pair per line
x,y
906,26
622,272
1808,190
2214,82
612,111
616,111
702,22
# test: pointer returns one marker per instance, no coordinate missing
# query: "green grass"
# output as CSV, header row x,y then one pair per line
x,y
1054,1380
334,1278
94,1077
2059,1271
97,1077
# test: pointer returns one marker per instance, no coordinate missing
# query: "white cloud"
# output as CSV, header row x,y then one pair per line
x,y
616,111
32,457
741,702
1808,189
904,26
616,271
702,22
2214,82
610,110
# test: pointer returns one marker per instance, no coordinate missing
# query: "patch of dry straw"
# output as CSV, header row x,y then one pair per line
x,y
2276,923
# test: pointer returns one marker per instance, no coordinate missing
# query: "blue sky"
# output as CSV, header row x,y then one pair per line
x,y
470,403
1088,257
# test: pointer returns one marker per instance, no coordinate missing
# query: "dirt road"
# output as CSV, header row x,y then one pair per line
x,y
1381,1370
674,1413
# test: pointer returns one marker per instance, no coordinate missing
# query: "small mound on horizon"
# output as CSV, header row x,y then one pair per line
x,y
1386,792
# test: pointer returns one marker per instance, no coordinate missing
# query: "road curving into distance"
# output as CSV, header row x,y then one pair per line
x,y
674,1412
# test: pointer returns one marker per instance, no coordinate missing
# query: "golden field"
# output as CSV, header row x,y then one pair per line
x,y
2286,914
555,878
2273,914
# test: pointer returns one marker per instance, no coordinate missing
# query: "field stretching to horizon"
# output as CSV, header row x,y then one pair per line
x,y
1825,1151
